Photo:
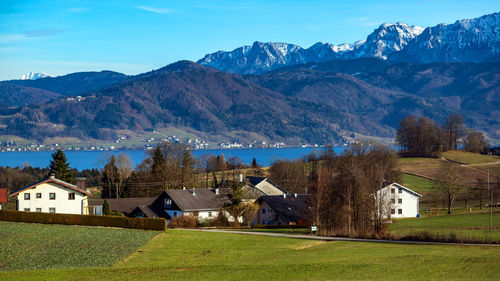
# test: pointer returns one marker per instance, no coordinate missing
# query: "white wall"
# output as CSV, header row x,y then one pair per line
x,y
266,217
62,204
409,204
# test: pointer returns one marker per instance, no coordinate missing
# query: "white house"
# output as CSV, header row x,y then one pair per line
x,y
52,196
398,201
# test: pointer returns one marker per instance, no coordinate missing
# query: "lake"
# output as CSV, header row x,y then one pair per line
x,y
96,159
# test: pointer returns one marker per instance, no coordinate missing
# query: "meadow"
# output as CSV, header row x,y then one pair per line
x,y
190,255
461,223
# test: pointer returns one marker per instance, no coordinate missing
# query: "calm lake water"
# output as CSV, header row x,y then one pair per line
x,y
96,159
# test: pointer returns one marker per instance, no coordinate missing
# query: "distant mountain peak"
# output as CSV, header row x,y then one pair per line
x,y
34,75
470,40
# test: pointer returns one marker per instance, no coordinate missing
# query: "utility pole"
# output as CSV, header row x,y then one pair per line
x,y
491,201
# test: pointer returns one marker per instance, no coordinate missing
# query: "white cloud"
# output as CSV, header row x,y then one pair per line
x,y
155,10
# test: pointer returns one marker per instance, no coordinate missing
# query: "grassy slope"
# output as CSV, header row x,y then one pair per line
x,y
470,158
418,184
32,246
462,224
186,255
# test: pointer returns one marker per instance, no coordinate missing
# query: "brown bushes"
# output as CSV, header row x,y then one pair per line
x,y
183,221
88,220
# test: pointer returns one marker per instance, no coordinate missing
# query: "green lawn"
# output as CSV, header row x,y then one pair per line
x,y
34,246
191,255
418,184
462,224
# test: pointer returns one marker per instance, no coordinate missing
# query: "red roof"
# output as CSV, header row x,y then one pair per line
x,y
52,180
3,195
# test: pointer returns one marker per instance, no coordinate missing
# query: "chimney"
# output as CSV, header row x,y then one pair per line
x,y
52,176
194,191
240,178
284,195
295,194
80,183
183,188
217,190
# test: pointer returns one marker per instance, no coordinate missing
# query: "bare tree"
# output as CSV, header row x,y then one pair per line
x,y
451,180
455,128
124,171
475,142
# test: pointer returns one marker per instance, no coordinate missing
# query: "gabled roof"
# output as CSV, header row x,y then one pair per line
x,y
290,208
147,211
395,184
123,205
255,181
201,200
50,180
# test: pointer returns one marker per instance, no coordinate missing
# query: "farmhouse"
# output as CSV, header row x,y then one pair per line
x,y
283,210
52,195
397,201
120,205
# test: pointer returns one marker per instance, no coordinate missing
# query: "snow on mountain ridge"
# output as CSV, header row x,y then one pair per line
x,y
34,75
471,39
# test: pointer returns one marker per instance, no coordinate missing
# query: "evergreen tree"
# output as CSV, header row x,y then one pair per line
x,y
60,167
105,208
254,163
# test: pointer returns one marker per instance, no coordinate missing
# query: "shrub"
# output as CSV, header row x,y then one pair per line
x,y
183,221
89,220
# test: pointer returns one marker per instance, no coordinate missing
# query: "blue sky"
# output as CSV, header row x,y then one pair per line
x,y
59,37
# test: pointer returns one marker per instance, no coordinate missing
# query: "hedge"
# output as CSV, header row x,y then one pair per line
x,y
89,220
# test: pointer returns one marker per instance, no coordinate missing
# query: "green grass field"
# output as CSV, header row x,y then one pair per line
x,y
35,246
190,255
461,223
470,158
419,184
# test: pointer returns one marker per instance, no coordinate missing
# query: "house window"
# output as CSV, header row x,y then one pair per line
x,y
393,190
52,210
400,200
263,211
209,214
39,210
400,211
38,195
71,196
400,190
52,196
26,209
393,211
167,203
393,201
26,196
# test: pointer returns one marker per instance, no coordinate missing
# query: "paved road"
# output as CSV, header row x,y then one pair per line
x,y
322,238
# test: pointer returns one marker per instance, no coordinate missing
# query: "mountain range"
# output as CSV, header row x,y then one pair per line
x,y
278,92
469,40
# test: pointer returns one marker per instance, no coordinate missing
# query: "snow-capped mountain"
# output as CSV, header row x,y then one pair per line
x,y
385,40
262,57
469,40
34,75
474,40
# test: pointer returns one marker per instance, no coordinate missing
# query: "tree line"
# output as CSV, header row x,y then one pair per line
x,y
425,138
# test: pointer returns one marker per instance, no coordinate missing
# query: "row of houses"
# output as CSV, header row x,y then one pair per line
x,y
275,205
